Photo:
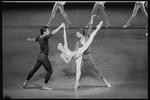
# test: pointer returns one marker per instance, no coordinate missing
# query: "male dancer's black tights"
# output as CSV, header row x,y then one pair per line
x,y
42,60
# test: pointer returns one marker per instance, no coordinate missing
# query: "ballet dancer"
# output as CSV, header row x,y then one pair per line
x,y
138,4
42,58
67,55
60,6
99,5
83,38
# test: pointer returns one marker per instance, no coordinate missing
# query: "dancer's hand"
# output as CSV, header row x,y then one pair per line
x,y
29,39
62,24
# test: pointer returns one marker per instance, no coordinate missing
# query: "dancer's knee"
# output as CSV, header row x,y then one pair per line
x,y
96,69
50,72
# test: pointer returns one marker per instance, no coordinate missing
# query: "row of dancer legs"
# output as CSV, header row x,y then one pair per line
x,y
60,6
138,5
141,5
100,5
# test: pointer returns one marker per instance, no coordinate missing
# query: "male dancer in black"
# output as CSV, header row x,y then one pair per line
x,y
42,58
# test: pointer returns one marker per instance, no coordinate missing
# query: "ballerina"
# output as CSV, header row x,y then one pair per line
x,y
138,4
60,6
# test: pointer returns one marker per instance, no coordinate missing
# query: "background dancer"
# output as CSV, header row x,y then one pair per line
x,y
138,4
83,38
99,5
60,6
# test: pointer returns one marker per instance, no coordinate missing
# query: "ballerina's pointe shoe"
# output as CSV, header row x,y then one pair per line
x,y
69,24
46,88
76,86
107,84
108,25
126,25
25,83
146,34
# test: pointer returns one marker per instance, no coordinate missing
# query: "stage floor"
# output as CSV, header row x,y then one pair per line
x,y
120,54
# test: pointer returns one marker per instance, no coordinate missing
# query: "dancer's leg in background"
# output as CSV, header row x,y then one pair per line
x,y
136,8
61,8
55,8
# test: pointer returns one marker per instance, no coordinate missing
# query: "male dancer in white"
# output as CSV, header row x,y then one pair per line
x,y
67,55
60,6
99,5
138,4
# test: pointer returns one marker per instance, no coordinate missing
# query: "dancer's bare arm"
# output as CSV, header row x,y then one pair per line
x,y
52,33
57,29
31,39
67,60
63,56
91,25
65,36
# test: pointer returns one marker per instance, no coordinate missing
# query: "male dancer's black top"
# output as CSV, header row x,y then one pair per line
x,y
43,41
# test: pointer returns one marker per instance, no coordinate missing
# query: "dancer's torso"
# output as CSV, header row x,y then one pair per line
x,y
43,41
143,2
100,2
61,3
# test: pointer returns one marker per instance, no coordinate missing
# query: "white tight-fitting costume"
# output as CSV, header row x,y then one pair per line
x,y
99,5
138,4
60,6
77,54
67,54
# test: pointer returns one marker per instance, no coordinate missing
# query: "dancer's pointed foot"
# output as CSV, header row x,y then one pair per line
x,y
126,25
87,26
146,34
107,84
146,26
25,83
46,87
108,25
76,85
69,24
24,86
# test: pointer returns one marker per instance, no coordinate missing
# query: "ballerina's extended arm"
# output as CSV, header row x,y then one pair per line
x,y
67,59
